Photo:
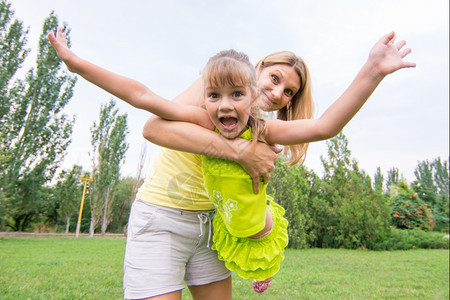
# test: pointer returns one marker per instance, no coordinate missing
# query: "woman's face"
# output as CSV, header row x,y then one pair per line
x,y
277,84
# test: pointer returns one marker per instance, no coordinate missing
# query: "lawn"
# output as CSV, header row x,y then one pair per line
x,y
91,268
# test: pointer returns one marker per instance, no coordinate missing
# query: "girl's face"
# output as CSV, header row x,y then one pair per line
x,y
229,109
278,84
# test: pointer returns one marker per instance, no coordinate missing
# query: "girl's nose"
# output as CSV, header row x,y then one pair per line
x,y
226,104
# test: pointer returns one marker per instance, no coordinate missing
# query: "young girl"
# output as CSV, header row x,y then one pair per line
x,y
384,59
249,231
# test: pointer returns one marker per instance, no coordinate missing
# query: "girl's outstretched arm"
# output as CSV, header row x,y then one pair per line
x,y
129,90
385,57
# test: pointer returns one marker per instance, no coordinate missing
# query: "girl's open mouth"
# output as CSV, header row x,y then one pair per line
x,y
228,123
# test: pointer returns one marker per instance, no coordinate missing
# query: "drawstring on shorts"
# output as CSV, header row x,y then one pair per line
x,y
203,218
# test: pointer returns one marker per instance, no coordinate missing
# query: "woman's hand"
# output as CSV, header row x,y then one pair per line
x,y
258,161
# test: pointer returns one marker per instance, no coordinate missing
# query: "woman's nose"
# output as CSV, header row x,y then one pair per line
x,y
277,92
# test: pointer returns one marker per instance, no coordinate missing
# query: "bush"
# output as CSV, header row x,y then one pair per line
x,y
408,211
348,213
402,239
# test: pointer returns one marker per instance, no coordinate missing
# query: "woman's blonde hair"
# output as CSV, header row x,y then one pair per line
x,y
301,105
233,68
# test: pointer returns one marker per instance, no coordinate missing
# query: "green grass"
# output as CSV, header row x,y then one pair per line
x,y
91,268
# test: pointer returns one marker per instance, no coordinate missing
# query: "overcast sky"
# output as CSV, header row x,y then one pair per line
x,y
165,44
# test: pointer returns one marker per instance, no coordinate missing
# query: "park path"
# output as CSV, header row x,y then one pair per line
x,y
58,234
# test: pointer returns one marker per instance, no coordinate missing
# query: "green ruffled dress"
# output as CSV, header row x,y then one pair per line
x,y
242,213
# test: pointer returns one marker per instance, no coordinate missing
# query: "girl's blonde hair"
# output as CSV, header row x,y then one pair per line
x,y
233,68
301,105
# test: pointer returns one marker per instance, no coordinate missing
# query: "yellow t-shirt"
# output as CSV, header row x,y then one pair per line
x,y
176,181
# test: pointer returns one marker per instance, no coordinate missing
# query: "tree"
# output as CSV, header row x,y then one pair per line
x,y
378,181
293,189
67,192
424,184
138,181
13,38
122,204
3,198
393,178
35,129
432,187
349,213
441,178
108,141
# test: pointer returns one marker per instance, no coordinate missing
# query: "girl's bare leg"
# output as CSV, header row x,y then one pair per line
x,y
267,228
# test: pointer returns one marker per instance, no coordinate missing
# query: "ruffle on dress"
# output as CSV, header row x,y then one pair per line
x,y
253,258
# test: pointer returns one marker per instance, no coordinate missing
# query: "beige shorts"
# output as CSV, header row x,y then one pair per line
x,y
166,248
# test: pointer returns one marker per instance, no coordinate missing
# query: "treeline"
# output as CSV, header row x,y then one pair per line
x,y
346,209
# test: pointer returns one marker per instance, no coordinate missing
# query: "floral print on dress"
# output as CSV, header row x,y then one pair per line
x,y
217,198
226,208
230,205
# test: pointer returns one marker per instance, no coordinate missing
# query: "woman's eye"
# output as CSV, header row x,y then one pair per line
x,y
289,93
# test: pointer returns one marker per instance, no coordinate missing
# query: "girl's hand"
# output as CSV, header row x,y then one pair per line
x,y
387,56
59,43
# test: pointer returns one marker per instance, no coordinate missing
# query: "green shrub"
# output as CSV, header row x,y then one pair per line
x,y
408,211
402,239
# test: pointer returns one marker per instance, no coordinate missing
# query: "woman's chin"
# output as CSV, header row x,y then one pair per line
x,y
267,106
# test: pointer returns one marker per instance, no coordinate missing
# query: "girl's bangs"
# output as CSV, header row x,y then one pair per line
x,y
226,72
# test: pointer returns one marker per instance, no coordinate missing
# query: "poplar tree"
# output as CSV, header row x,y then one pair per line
x,y
67,191
108,141
35,130
378,181
393,180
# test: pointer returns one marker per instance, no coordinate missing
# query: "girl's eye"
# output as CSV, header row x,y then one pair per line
x,y
237,94
274,78
213,96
